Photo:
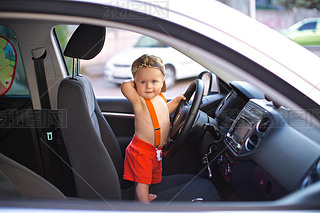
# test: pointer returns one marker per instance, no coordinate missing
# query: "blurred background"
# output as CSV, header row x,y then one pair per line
x,y
298,20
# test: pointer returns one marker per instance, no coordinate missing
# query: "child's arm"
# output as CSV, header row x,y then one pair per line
x,y
129,91
173,104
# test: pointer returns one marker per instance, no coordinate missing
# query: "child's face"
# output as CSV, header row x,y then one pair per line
x,y
149,82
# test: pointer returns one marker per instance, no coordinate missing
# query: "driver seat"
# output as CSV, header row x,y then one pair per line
x,y
92,147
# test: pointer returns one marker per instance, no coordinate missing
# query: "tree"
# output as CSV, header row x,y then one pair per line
x,y
63,37
289,4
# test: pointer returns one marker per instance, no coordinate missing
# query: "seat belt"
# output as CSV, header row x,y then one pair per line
x,y
53,138
38,55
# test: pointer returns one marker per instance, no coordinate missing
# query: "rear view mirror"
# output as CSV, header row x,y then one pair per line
x,y
210,82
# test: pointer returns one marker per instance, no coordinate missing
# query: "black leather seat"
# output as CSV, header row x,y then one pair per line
x,y
94,152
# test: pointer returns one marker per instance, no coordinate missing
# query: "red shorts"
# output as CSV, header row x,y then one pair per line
x,y
141,164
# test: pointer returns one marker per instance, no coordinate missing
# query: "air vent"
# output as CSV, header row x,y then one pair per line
x,y
249,107
264,124
252,142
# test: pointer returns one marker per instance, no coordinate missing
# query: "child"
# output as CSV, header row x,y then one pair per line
x,y
143,162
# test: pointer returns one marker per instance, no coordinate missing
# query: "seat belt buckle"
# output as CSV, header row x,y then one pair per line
x,y
49,136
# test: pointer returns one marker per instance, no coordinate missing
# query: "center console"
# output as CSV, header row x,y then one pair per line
x,y
248,128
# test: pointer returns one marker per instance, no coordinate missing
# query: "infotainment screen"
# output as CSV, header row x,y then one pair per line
x,y
241,130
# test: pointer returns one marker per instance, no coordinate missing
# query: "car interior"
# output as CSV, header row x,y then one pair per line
x,y
58,140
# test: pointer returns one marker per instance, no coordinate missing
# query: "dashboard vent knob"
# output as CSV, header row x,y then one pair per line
x,y
252,142
264,124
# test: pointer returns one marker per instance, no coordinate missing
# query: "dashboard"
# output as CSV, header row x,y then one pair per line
x,y
270,151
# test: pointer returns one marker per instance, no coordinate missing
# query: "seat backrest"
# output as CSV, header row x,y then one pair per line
x,y
16,181
93,150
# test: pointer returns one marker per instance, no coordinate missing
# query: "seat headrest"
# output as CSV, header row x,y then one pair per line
x,y
86,42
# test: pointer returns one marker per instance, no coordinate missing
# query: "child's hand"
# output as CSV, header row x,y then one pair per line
x,y
128,89
172,105
179,98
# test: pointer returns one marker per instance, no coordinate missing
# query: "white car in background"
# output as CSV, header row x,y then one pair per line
x,y
178,66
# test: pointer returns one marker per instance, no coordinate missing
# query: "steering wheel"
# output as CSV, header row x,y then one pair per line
x,y
184,117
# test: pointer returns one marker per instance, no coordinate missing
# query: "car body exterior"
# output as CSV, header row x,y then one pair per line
x,y
178,66
305,32
237,48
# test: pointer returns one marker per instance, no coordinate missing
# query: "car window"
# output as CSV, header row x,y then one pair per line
x,y
308,26
146,41
12,76
112,65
